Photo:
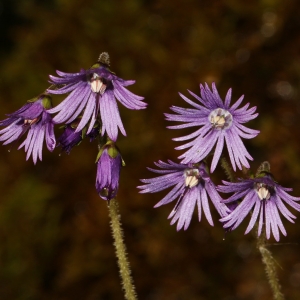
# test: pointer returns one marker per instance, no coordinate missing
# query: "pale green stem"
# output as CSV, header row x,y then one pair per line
x,y
270,267
120,247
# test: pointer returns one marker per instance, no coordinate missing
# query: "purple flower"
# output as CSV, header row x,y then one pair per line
x,y
108,171
191,185
70,138
219,121
268,199
34,118
93,92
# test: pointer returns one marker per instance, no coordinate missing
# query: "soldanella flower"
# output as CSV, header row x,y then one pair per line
x,y
109,163
71,138
34,118
218,122
93,94
191,186
265,198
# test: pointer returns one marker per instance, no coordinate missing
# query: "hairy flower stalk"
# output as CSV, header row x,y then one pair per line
x,y
227,169
270,267
120,247
266,255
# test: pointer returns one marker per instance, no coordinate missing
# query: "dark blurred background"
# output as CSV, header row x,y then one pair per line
x,y
55,240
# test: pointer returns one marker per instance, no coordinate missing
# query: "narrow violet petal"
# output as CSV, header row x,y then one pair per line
x,y
50,137
218,152
88,112
205,206
228,98
172,195
254,216
110,115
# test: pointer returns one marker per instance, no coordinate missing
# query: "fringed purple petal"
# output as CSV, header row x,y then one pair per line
x,y
50,136
127,98
110,115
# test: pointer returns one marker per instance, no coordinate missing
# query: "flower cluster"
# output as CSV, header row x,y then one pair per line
x,y
89,110
219,123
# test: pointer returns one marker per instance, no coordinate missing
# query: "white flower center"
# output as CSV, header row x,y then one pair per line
x,y
263,191
192,177
31,122
220,118
97,84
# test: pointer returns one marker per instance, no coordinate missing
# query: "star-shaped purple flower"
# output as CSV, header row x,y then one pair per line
x,y
268,199
191,186
93,92
218,122
108,171
34,118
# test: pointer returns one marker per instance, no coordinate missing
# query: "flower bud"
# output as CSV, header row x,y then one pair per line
x,y
109,162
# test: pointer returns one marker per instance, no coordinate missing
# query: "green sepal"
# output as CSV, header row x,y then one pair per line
x,y
123,162
99,64
47,102
112,151
99,154
95,66
83,132
33,100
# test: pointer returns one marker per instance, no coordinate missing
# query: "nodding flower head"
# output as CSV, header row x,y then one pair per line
x,y
191,185
265,198
35,119
93,93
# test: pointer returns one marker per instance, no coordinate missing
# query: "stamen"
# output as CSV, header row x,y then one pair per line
x,y
220,118
97,84
218,121
262,191
192,177
191,181
31,122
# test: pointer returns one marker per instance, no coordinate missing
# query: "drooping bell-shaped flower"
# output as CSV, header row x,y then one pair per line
x,y
265,198
33,118
93,94
191,186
